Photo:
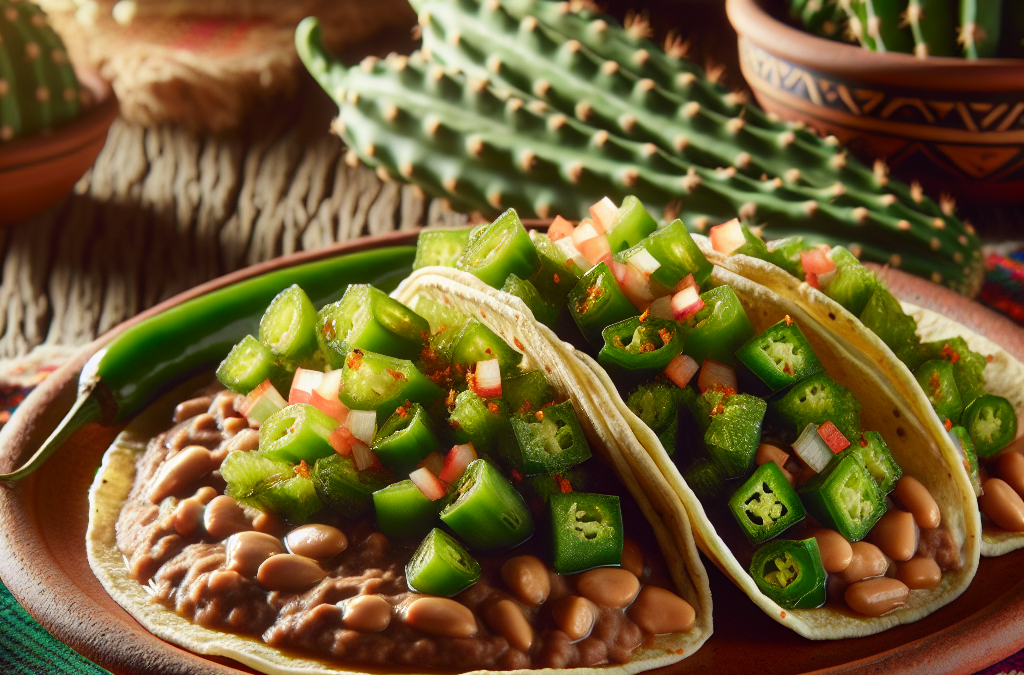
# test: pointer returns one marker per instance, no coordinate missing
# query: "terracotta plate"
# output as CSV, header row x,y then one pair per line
x,y
43,561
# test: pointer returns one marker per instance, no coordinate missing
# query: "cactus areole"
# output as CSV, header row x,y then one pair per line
x,y
523,104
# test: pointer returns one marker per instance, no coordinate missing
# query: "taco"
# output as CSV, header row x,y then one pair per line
x,y
822,492
974,386
425,500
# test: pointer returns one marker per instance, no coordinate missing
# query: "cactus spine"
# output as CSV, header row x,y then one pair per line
x,y
980,21
485,148
931,23
38,88
821,17
887,28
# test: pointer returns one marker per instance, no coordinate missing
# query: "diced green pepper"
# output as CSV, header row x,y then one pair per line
x,y
657,405
766,505
369,319
343,488
557,275
939,384
844,497
884,317
405,439
269,485
991,422
873,454
542,310
288,327
297,433
816,399
482,422
477,342
586,530
498,250
640,347
597,302
246,366
852,284
968,455
403,511
786,254
676,253
376,382
544,486
780,356
753,246
731,427
790,573
549,441
441,246
528,392
968,365
630,225
705,479
486,511
440,566
719,328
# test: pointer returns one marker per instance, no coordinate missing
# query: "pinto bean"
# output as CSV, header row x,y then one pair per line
x,y
836,552
246,551
224,517
896,534
608,586
289,572
868,561
181,471
632,557
659,611
919,572
317,541
528,579
190,408
1010,468
441,617
1002,505
914,497
269,523
235,425
939,545
205,494
875,597
507,620
574,615
367,613
188,516
766,452
224,581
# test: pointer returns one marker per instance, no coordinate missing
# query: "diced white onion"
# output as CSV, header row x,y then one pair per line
x,y
570,252
363,424
812,448
330,385
584,231
487,380
362,456
686,303
681,370
661,308
603,213
715,375
644,262
727,237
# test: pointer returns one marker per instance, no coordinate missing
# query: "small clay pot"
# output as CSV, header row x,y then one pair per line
x,y
955,125
37,171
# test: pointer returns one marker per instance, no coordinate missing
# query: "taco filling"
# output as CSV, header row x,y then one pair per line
x,y
419,500
803,494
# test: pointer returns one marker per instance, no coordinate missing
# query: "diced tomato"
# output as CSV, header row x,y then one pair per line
x,y
584,231
261,403
681,370
303,384
812,279
727,237
428,483
833,437
715,375
633,283
685,282
686,303
456,461
487,380
594,248
816,261
434,461
560,228
341,439
325,396
603,214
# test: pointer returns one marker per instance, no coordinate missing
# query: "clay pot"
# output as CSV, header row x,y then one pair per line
x,y
955,125
37,171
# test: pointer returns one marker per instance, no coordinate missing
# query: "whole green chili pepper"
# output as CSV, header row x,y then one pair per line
x,y
169,345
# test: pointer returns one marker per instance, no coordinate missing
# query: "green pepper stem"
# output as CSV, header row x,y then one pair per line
x,y
85,410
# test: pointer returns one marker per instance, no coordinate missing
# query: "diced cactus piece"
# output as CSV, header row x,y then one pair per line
x,y
932,23
980,21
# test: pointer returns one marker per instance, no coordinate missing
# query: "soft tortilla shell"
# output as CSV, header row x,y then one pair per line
x,y
116,475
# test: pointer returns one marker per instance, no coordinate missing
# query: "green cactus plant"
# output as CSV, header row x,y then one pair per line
x,y
824,18
980,21
39,91
887,27
932,25
487,149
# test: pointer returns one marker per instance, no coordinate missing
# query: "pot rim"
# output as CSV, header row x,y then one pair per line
x,y
943,73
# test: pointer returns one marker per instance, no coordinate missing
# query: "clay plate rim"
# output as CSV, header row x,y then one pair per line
x,y
49,574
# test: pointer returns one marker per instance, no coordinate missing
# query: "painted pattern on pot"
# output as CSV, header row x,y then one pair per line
x,y
958,143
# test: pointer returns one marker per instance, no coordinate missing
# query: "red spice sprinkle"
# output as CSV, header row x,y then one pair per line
x,y
424,335
949,425
564,486
783,613
788,368
539,415
450,401
718,409
454,424
990,358
949,354
493,407
551,402
665,334
395,374
402,412
516,476
789,322
483,314
527,407
557,279
487,351
354,359
593,293
726,391
647,313
302,469
863,441
934,383
648,347
518,344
